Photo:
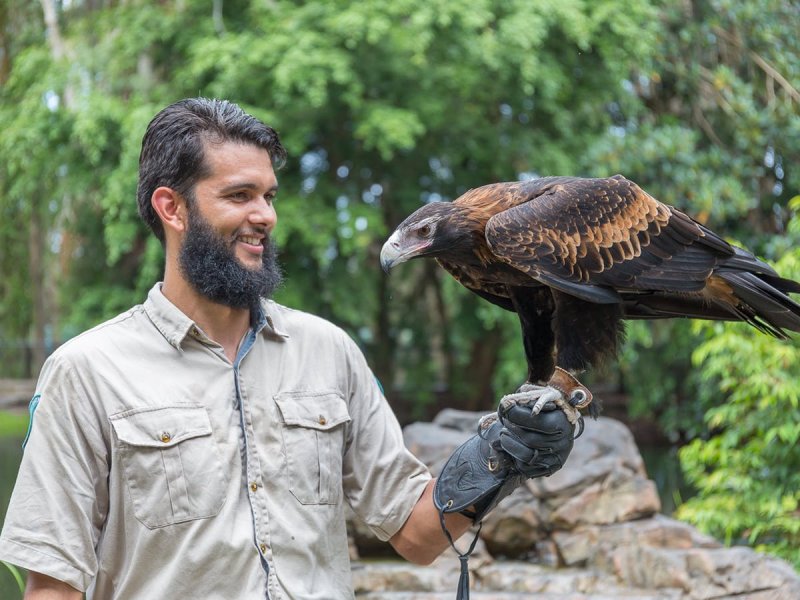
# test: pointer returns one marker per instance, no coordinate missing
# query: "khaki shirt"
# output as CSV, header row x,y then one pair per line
x,y
156,468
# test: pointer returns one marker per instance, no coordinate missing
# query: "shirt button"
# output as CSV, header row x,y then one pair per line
x,y
253,486
165,437
263,548
322,420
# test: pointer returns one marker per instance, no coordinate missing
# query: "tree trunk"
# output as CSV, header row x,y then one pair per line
x,y
36,273
384,344
484,356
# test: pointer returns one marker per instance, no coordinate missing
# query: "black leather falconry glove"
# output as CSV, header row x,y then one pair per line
x,y
511,446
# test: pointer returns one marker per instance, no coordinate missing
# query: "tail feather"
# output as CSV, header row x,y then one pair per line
x,y
763,305
785,285
742,260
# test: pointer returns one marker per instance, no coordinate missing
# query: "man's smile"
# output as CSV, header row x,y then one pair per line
x,y
252,243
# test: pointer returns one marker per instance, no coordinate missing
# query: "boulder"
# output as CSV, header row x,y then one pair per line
x,y
703,573
604,481
581,546
590,531
515,526
432,443
460,420
610,501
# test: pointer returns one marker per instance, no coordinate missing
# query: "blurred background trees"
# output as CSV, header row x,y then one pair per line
x,y
386,105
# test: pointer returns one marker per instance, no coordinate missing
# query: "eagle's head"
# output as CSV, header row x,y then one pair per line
x,y
435,229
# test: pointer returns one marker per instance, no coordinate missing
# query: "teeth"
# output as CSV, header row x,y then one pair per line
x,y
250,239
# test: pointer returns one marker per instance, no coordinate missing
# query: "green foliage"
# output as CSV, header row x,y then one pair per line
x,y
655,369
386,105
381,105
711,125
747,472
15,573
13,424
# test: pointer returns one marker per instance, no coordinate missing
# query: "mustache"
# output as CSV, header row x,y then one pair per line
x,y
258,231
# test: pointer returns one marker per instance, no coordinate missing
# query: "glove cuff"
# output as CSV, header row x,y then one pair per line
x,y
476,477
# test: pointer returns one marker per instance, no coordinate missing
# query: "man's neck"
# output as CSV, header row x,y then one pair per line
x,y
222,324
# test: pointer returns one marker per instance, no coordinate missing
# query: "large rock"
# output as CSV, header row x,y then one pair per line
x,y
703,573
515,526
590,531
432,443
505,580
583,545
605,449
604,481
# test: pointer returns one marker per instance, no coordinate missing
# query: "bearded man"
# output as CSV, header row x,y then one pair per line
x,y
204,443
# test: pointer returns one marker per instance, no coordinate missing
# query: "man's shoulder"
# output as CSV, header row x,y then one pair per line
x,y
103,336
298,323
310,331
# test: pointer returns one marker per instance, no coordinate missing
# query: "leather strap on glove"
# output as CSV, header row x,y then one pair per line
x,y
511,446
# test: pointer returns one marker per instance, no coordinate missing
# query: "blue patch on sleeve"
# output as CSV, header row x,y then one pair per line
x,y
380,387
31,409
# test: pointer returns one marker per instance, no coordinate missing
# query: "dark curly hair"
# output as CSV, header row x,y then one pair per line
x,y
172,148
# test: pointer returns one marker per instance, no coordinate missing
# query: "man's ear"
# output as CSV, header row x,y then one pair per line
x,y
171,209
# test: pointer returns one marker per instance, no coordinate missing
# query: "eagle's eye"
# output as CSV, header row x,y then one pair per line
x,y
424,231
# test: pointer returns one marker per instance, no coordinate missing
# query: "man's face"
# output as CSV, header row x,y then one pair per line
x,y
227,254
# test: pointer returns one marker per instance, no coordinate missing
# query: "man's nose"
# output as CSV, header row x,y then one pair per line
x,y
264,214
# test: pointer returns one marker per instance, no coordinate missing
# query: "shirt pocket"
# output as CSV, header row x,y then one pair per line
x,y
171,462
313,431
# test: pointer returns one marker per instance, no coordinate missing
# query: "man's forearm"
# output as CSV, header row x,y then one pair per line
x,y
421,539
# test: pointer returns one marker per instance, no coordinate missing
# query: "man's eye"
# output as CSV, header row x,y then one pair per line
x,y
238,196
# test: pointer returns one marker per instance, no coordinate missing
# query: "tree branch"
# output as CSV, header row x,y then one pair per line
x,y
768,69
53,32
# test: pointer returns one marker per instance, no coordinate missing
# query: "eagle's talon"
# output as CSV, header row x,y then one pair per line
x,y
540,404
563,390
527,388
537,397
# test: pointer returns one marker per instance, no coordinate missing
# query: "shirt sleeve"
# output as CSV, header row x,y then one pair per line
x,y
382,479
60,499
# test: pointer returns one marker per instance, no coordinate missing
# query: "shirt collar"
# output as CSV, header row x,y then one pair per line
x,y
174,325
271,320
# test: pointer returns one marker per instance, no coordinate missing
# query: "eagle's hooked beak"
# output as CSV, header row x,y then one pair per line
x,y
392,252
402,246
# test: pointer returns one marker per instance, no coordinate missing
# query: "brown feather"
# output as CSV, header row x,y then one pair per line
x,y
607,250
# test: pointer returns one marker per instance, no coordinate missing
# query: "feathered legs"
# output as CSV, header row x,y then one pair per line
x,y
550,319
586,333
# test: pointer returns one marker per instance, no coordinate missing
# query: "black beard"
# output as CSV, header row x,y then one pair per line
x,y
209,263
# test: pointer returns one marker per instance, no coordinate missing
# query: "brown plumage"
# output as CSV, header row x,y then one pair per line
x,y
573,257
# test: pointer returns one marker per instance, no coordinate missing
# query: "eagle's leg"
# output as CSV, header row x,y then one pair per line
x,y
545,383
534,307
585,334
